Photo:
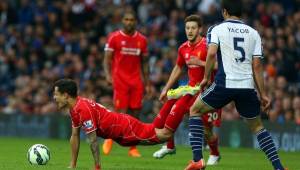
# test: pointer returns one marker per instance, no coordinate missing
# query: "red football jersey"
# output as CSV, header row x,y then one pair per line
x,y
122,128
92,116
187,51
127,55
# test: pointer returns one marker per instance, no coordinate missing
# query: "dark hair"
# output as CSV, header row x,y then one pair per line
x,y
129,12
233,7
195,18
68,86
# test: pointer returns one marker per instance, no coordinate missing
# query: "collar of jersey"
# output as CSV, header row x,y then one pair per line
x,y
234,21
196,44
126,35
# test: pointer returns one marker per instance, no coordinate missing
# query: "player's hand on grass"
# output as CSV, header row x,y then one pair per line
x,y
265,103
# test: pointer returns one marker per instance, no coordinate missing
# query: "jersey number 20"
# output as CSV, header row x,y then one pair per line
x,y
236,47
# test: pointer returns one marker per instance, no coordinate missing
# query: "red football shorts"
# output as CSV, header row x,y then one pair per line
x,y
212,118
135,132
128,96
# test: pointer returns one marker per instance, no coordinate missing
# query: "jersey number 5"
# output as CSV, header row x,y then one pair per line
x,y
236,47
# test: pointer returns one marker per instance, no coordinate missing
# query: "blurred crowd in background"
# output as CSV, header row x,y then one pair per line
x,y
44,40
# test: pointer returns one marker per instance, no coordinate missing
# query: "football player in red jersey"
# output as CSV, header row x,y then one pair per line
x,y
96,120
192,54
126,68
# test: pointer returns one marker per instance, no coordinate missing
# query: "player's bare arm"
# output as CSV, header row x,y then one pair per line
x,y
145,71
259,81
107,62
75,143
172,79
92,137
209,65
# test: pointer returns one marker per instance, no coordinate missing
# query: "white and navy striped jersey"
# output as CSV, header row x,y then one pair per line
x,y
237,44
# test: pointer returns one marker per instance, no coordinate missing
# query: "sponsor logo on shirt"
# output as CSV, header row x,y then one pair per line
x,y
88,124
131,51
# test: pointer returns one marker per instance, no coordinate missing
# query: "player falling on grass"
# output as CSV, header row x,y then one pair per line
x,y
96,120
239,52
192,54
125,65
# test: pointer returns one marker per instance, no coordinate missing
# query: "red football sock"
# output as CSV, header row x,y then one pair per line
x,y
171,143
132,147
159,121
214,146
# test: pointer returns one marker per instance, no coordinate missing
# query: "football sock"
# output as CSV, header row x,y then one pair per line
x,y
196,137
160,119
171,144
132,147
213,145
266,144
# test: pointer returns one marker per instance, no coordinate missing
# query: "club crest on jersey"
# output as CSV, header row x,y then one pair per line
x,y
186,55
199,54
123,42
88,124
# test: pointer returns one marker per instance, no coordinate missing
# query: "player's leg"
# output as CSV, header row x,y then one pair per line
x,y
266,142
196,133
212,120
164,134
174,118
135,98
159,122
120,100
248,106
213,142
136,132
160,119
212,98
167,149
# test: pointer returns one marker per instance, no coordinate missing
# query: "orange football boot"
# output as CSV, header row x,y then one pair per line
x,y
107,146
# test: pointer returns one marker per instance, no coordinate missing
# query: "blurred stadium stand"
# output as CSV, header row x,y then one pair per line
x,y
44,40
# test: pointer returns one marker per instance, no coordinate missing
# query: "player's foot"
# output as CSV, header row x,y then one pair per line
x,y
107,146
284,169
134,152
163,152
213,160
200,165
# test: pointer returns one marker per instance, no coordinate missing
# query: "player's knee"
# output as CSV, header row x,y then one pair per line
x,y
194,111
255,125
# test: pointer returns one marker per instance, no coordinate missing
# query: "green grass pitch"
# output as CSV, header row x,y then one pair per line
x,y
13,157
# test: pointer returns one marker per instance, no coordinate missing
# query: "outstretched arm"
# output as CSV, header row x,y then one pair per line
x,y
75,143
94,145
171,81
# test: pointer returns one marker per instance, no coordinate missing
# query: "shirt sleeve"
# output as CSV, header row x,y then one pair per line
x,y
110,44
180,59
145,48
212,36
75,120
87,120
258,46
